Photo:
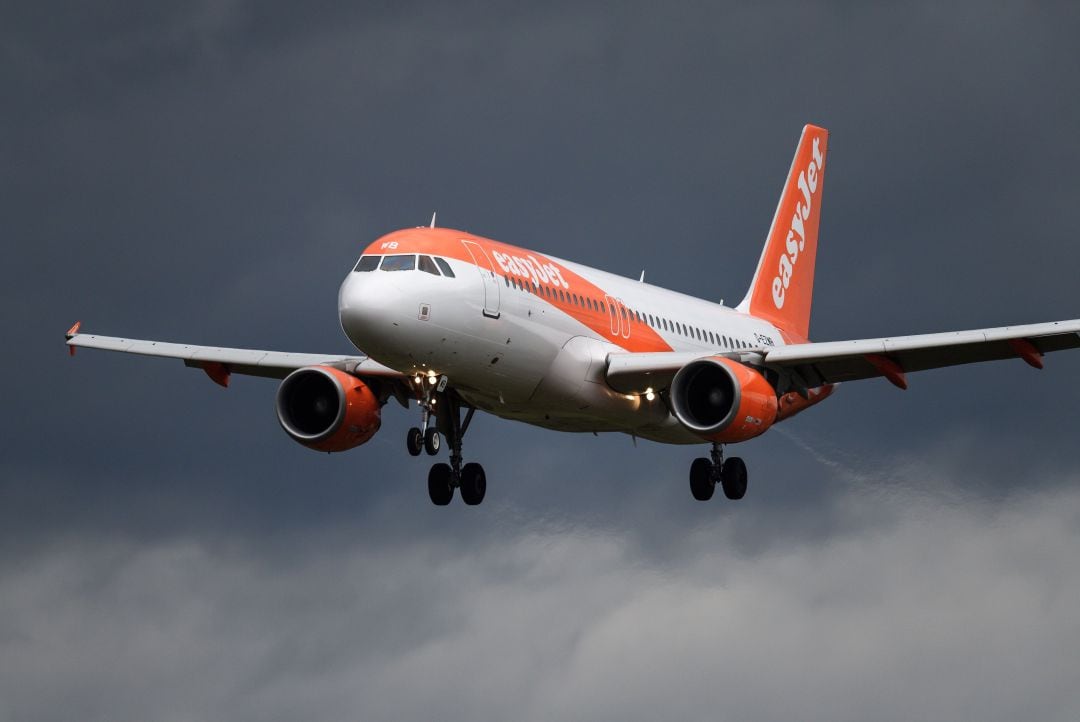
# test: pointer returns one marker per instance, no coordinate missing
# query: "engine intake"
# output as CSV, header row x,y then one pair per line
x,y
327,409
722,400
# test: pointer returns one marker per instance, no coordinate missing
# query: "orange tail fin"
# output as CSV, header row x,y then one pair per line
x,y
783,286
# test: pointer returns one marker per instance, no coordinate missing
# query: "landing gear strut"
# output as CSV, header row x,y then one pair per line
x,y
705,474
444,478
425,437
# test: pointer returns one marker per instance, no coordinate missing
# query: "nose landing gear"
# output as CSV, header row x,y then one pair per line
x,y
425,437
706,473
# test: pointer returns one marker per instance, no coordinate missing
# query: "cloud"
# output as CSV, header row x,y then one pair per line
x,y
207,173
936,611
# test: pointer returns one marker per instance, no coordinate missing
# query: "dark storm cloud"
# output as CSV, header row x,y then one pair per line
x,y
208,172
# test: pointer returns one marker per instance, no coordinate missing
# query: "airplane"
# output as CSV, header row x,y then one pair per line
x,y
459,323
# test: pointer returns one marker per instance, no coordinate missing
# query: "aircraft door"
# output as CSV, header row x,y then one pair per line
x,y
490,279
620,317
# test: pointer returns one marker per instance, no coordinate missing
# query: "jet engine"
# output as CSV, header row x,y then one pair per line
x,y
326,409
723,400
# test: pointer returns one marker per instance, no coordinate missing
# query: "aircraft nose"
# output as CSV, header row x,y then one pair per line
x,y
365,303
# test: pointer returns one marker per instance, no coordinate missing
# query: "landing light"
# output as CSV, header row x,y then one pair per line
x,y
650,394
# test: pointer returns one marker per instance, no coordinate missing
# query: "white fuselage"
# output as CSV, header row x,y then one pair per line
x,y
509,350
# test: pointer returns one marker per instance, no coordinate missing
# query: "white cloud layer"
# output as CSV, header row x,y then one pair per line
x,y
944,611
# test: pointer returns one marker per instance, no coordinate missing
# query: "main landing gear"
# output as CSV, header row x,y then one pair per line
x,y
706,473
444,478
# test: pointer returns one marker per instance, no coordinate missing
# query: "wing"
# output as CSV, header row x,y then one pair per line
x,y
814,364
220,363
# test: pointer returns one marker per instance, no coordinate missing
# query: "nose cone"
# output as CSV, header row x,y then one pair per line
x,y
366,304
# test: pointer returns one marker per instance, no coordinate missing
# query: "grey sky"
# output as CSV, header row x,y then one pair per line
x,y
208,172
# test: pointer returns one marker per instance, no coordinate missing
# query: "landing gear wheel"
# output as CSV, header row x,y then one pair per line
x,y
439,485
473,484
432,441
702,481
414,439
733,478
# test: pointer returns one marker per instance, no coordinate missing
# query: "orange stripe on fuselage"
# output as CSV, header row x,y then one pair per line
x,y
545,278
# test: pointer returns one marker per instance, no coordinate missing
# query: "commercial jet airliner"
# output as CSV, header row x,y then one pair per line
x,y
457,323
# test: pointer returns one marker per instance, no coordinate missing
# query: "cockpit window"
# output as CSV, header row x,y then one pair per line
x,y
398,263
445,267
428,266
367,263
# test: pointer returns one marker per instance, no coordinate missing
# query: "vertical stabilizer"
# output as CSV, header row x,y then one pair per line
x,y
783,285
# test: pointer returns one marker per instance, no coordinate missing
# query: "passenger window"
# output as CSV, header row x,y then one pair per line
x,y
428,266
446,270
367,263
398,263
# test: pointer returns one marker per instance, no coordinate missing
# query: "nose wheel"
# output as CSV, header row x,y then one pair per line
x,y
426,436
414,440
730,474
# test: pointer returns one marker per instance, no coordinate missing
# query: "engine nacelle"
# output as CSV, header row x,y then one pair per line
x,y
326,409
722,400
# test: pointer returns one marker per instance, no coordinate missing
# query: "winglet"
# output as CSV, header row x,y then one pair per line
x,y
71,332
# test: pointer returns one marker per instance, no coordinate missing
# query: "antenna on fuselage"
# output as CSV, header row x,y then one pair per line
x,y
433,214
642,279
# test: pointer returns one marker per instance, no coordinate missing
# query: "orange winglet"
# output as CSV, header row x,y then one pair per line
x,y
70,333
218,372
889,369
1027,351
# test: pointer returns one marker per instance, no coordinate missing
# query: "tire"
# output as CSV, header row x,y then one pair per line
x,y
733,478
439,487
414,440
702,484
432,441
473,484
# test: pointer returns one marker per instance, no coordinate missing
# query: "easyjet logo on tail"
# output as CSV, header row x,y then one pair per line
x,y
796,237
